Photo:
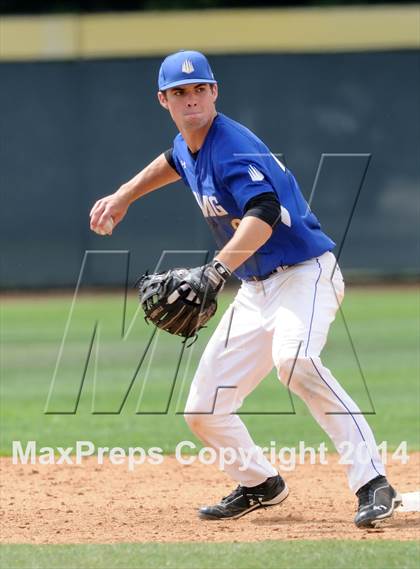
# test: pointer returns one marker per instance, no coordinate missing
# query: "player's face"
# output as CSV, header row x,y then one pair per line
x,y
190,106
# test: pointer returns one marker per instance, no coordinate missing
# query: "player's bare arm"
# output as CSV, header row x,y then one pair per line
x,y
251,234
154,176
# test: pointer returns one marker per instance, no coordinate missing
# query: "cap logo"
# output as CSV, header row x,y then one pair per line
x,y
187,66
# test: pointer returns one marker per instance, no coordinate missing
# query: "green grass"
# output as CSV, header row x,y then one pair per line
x,y
384,327
293,555
385,330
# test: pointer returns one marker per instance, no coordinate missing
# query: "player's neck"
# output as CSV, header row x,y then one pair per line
x,y
195,138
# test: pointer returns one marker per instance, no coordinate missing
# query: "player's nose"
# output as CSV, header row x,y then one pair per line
x,y
191,101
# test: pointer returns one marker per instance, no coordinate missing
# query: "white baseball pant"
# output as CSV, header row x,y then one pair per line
x,y
282,321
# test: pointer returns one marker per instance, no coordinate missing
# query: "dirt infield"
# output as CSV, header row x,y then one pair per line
x,y
105,504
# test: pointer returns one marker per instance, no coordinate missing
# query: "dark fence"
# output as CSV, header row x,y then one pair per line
x,y
72,132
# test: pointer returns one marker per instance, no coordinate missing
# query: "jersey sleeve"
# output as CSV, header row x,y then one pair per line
x,y
168,154
242,170
173,161
176,158
266,207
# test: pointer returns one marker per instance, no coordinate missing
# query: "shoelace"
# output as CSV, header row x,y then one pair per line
x,y
242,491
237,492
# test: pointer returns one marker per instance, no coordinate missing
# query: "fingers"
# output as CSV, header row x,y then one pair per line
x,y
96,212
106,214
94,208
105,218
101,217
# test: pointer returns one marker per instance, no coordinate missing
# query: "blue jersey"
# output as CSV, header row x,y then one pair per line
x,y
233,166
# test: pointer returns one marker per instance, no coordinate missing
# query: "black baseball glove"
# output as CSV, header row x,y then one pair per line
x,y
182,301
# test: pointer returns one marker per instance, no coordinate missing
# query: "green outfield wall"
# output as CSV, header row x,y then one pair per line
x,y
79,116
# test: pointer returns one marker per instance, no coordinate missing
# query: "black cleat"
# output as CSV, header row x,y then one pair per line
x,y
377,501
243,500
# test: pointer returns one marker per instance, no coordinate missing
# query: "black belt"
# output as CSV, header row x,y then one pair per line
x,y
259,278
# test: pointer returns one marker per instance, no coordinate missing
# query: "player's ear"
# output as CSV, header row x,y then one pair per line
x,y
162,99
215,91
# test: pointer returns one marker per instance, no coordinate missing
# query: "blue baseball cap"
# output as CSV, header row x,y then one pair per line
x,y
184,67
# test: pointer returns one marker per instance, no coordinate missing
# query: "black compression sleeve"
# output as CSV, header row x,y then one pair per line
x,y
170,158
266,207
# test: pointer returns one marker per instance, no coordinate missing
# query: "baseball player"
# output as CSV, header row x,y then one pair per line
x,y
291,288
